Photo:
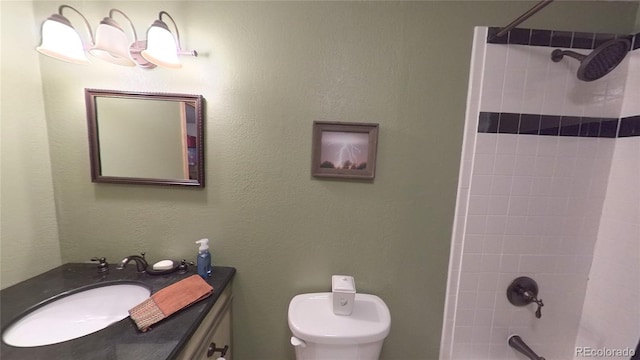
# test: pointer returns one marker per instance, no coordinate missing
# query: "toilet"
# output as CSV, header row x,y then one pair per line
x,y
320,334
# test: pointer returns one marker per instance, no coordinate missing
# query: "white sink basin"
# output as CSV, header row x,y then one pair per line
x,y
81,312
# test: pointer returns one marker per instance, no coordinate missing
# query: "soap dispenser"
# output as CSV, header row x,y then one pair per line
x,y
203,261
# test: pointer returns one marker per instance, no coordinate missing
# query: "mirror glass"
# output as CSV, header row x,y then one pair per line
x,y
145,138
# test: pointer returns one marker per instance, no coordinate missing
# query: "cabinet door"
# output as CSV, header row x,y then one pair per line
x,y
220,338
215,328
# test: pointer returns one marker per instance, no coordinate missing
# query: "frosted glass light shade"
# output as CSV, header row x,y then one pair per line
x,y
61,41
162,49
112,44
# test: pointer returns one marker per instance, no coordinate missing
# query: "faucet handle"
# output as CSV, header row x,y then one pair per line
x,y
103,265
540,305
184,266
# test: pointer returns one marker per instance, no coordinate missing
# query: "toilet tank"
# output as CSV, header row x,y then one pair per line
x,y
327,336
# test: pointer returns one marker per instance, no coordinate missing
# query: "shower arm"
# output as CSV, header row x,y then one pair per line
x,y
539,6
557,55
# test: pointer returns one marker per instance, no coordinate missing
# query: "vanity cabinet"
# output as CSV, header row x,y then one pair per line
x,y
214,329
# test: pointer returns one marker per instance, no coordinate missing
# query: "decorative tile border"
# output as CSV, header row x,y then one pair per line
x,y
629,126
556,125
555,38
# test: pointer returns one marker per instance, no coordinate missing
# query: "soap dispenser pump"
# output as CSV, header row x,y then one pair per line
x,y
203,261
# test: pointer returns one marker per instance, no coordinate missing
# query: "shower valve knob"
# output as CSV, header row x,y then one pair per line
x,y
524,291
539,310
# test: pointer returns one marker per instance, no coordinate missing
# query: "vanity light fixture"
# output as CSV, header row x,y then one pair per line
x,y
112,44
162,48
61,41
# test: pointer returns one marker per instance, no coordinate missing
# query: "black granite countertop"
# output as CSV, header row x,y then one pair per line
x,y
119,341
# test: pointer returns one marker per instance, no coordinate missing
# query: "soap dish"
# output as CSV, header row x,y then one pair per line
x,y
163,267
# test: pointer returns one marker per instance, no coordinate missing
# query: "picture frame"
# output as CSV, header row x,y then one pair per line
x,y
344,150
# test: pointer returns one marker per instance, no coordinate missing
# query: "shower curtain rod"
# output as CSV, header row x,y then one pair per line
x,y
539,6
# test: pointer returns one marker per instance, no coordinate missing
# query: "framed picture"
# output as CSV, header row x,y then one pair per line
x,y
344,150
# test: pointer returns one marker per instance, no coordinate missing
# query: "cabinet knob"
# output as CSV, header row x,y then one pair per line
x,y
213,349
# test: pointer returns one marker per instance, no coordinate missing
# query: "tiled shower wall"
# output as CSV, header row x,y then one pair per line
x,y
611,312
532,187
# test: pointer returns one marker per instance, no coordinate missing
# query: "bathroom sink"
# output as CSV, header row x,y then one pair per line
x,y
75,313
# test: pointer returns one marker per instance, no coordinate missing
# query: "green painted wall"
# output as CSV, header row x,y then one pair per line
x,y
267,71
28,227
637,27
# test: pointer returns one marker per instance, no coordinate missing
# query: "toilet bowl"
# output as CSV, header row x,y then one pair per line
x,y
319,334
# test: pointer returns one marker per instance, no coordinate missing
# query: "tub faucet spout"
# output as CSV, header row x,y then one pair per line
x,y
141,263
517,343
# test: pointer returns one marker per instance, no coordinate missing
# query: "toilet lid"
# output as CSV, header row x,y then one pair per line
x,y
311,318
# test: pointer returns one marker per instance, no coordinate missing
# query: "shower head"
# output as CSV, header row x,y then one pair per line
x,y
600,62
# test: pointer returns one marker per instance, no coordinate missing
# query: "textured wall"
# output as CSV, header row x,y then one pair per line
x,y
267,70
29,232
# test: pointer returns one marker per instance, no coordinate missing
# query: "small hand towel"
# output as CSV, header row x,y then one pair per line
x,y
169,300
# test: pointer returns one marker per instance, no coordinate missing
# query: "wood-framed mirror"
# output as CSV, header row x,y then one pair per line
x,y
145,138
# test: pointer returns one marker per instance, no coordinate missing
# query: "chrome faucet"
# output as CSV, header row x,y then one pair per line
x,y
141,262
